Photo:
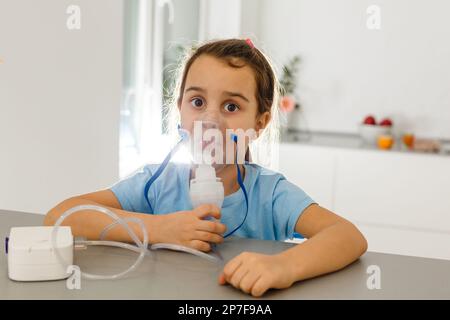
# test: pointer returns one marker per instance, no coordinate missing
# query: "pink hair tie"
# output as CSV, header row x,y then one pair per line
x,y
250,43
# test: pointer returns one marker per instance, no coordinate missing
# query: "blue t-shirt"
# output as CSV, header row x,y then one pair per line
x,y
275,204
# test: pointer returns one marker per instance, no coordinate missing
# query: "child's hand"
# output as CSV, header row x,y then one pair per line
x,y
255,273
189,228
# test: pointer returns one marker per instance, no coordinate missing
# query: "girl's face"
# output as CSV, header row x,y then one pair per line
x,y
215,91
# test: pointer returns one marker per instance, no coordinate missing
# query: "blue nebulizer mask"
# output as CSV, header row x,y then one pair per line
x,y
205,187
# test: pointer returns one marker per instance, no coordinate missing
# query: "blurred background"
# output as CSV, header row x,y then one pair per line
x,y
366,107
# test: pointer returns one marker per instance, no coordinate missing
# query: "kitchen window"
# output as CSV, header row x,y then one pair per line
x,y
154,34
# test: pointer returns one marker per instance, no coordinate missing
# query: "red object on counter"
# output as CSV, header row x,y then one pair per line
x,y
370,120
386,122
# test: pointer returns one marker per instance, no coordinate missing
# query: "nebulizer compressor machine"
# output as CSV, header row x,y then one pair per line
x,y
45,252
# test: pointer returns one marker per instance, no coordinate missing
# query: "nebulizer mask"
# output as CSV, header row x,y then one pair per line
x,y
209,143
212,148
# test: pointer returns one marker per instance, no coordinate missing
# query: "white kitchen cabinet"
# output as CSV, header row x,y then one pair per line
x,y
406,241
400,201
394,189
310,168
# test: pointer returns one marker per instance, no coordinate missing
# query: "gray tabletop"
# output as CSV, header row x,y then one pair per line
x,y
176,275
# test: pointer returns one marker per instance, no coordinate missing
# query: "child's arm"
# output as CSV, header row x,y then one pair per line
x,y
184,227
89,223
332,244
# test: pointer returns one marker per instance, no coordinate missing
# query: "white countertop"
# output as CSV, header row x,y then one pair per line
x,y
350,141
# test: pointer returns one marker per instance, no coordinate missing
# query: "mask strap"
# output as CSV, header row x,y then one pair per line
x,y
241,184
184,134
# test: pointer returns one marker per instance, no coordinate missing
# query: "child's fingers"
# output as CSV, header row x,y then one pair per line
x,y
206,210
211,226
208,236
249,281
222,279
200,245
260,286
231,267
238,275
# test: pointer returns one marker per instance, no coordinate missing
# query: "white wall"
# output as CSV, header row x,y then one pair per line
x,y
59,101
220,19
348,71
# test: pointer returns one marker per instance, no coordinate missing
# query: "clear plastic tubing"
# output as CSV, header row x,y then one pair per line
x,y
169,246
176,247
141,246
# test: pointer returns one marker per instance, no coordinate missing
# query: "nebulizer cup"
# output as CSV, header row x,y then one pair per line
x,y
208,157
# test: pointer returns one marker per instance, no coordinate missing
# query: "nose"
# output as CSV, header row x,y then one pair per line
x,y
209,124
211,118
210,115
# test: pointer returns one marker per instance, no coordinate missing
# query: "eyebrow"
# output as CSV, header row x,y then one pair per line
x,y
228,93
236,94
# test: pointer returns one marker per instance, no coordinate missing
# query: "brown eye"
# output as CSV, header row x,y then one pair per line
x,y
231,107
197,103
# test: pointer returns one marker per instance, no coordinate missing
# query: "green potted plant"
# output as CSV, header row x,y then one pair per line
x,y
289,104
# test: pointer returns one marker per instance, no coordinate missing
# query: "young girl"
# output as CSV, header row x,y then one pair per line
x,y
233,80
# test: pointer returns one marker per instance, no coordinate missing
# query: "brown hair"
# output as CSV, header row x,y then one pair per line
x,y
237,53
